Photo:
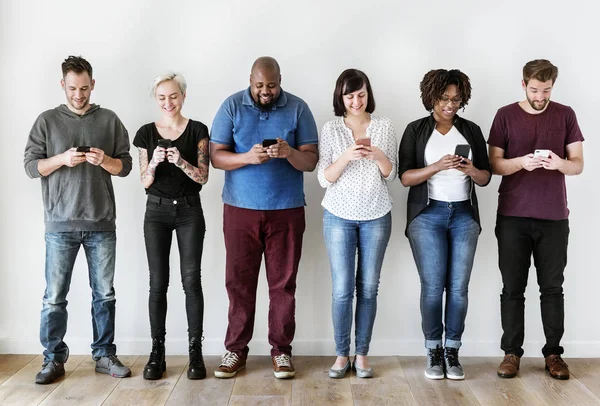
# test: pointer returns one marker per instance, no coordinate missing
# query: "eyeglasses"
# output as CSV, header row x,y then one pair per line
x,y
446,100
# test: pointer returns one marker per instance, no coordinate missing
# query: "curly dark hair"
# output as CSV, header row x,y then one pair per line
x,y
436,81
76,64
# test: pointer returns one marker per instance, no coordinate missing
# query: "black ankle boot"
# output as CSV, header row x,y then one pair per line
x,y
156,364
197,369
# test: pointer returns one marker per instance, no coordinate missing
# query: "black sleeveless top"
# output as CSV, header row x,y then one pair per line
x,y
169,180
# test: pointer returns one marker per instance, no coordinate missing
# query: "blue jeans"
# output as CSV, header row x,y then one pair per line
x,y
61,251
443,239
343,238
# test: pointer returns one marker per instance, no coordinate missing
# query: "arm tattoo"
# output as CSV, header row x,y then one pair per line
x,y
146,170
198,174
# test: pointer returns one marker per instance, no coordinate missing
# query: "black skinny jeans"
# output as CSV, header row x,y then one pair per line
x,y
519,238
187,219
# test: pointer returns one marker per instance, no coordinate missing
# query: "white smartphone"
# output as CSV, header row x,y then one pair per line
x,y
541,153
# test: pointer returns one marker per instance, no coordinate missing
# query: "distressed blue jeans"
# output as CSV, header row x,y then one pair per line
x,y
61,251
443,239
345,239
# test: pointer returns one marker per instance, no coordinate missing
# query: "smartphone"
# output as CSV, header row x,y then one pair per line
x,y
165,143
463,150
268,142
364,141
83,148
541,153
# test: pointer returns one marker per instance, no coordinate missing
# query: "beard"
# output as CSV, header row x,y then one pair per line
x,y
538,106
266,106
79,105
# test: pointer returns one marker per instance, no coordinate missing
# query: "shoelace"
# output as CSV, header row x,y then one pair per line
x,y
53,363
282,360
435,357
452,357
560,361
229,360
115,360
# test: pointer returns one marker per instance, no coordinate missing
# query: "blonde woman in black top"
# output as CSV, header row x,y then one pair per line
x,y
173,166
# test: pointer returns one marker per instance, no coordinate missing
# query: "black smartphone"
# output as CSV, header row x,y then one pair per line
x,y
463,150
165,143
83,148
268,142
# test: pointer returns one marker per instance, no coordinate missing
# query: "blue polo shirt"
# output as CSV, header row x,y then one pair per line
x,y
240,124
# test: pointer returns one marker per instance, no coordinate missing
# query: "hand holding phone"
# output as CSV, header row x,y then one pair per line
x,y
83,148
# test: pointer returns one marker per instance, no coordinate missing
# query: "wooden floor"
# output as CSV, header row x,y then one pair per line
x,y
397,381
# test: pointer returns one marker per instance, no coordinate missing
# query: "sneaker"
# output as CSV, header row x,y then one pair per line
x,y
231,364
112,366
51,370
453,368
435,363
283,367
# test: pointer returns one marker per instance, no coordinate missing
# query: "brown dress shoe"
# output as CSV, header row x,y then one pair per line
x,y
509,366
557,368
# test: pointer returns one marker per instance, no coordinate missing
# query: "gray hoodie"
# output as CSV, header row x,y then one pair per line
x,y
79,198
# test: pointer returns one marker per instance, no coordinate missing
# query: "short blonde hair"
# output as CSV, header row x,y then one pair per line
x,y
176,77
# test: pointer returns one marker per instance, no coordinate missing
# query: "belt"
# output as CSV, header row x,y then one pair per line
x,y
167,201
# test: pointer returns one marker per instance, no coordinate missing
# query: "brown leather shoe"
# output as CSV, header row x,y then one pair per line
x,y
509,366
556,367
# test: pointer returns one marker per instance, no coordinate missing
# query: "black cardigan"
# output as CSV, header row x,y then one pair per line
x,y
412,156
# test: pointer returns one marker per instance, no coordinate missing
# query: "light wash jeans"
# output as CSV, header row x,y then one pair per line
x,y
443,239
343,239
61,251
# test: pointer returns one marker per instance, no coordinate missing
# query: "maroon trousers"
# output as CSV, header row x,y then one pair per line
x,y
249,234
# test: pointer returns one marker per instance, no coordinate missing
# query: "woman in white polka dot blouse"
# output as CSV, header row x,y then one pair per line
x,y
357,160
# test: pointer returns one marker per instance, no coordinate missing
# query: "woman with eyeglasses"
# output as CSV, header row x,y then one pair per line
x,y
357,160
442,158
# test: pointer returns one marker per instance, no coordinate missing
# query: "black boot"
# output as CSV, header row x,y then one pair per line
x,y
156,363
197,369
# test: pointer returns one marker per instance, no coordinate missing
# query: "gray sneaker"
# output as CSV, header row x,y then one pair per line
x,y
453,368
112,366
435,363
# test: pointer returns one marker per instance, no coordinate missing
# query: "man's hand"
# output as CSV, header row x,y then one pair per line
x,y
280,150
73,158
553,162
529,163
95,156
257,155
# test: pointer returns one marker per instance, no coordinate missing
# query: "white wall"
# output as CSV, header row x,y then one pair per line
x,y
214,44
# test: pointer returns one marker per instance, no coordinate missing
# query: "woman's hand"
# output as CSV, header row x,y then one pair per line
x,y
174,157
448,162
354,153
158,156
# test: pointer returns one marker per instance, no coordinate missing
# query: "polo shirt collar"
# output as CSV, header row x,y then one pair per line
x,y
249,101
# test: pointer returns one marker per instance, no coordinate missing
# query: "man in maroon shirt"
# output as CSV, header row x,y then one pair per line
x,y
533,144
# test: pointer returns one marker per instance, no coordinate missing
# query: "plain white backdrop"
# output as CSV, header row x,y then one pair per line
x,y
214,44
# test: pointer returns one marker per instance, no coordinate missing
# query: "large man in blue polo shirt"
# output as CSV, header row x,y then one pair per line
x,y
263,210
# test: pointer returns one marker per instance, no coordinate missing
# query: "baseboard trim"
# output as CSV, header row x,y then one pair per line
x,y
214,346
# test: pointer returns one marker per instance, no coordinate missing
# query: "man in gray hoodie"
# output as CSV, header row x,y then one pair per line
x,y
75,148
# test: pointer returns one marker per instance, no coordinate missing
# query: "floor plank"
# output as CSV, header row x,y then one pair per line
x,y
257,385
431,392
490,389
553,391
85,386
11,363
21,389
209,391
587,371
136,390
312,385
388,386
